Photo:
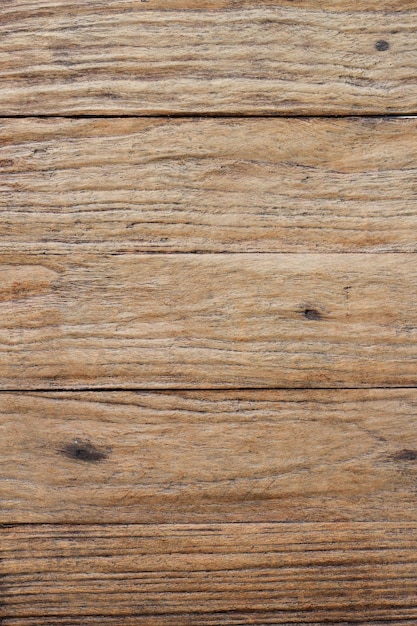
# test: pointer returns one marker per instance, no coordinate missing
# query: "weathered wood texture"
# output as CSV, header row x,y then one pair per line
x,y
208,185
233,574
207,321
222,56
208,456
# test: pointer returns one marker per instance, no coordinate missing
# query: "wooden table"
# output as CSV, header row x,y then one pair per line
x,y
208,312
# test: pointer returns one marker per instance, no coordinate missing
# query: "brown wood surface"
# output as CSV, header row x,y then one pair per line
x,y
166,575
222,56
268,185
164,458
207,321
317,455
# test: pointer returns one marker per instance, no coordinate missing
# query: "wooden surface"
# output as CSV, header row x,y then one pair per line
x,y
198,56
268,185
207,321
166,574
208,313
287,456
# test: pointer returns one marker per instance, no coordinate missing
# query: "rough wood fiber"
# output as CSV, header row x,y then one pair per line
x,y
162,575
207,321
160,57
276,185
208,456
245,506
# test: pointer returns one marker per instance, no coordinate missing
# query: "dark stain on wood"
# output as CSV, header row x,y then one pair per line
x,y
405,455
382,45
81,450
312,314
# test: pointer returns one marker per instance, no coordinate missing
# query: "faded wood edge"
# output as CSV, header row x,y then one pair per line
x,y
300,57
208,456
209,574
229,185
197,321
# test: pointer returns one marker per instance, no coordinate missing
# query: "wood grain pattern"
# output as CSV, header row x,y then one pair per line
x,y
210,574
208,456
207,321
276,185
152,473
161,57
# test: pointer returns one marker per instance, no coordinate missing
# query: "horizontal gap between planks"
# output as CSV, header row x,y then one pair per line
x,y
209,115
32,249
238,612
162,390
242,522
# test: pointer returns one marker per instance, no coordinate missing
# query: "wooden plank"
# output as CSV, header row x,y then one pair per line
x,y
276,185
166,574
170,56
207,321
208,456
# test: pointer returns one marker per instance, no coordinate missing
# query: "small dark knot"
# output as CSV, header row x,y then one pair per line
x,y
381,45
405,455
84,451
312,314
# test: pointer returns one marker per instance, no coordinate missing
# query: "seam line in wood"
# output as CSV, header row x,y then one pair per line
x,y
208,115
162,390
